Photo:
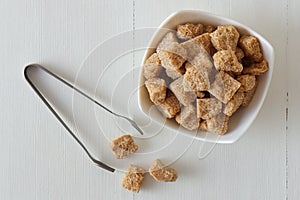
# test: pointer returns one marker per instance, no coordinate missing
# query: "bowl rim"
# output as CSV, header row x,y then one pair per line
x,y
234,23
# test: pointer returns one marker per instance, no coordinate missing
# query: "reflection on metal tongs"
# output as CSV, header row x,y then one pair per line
x,y
37,66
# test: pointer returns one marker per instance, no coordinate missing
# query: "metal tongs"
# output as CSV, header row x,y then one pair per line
x,y
99,163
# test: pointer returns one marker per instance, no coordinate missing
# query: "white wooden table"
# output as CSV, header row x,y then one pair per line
x,y
40,161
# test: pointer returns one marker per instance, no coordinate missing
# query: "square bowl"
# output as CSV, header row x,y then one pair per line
x,y
245,116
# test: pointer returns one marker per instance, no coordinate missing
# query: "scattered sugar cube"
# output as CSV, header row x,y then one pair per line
x,y
133,178
162,173
123,146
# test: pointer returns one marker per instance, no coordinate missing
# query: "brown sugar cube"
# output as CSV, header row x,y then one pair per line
x,y
193,48
203,125
224,87
248,96
257,68
205,40
198,44
234,103
172,55
175,73
167,39
225,38
152,67
209,28
247,82
195,80
202,61
208,107
133,178
157,89
239,54
172,47
162,173
188,117
170,107
200,94
184,97
251,47
226,60
123,146
218,124
189,31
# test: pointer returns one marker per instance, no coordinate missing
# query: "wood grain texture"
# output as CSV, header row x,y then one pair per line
x,y
293,137
40,161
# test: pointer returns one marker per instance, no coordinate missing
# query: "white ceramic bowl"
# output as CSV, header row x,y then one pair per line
x,y
244,117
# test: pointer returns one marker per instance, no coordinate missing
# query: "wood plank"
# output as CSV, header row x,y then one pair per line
x,y
292,64
39,161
